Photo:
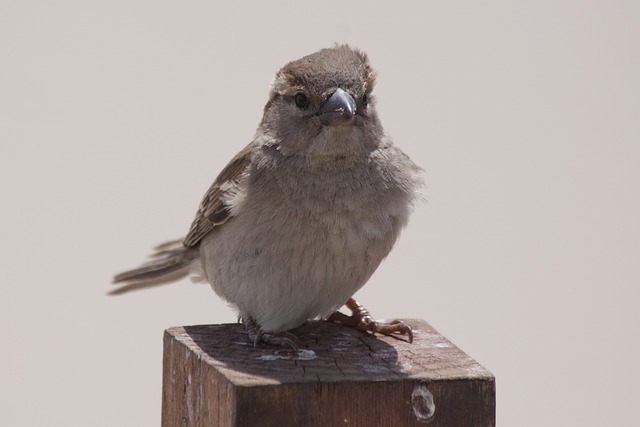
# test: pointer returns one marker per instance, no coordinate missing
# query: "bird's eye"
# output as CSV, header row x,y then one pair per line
x,y
301,100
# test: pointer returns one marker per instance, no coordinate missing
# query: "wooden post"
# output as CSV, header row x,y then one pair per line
x,y
213,376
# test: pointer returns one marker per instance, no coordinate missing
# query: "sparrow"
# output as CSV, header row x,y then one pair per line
x,y
300,219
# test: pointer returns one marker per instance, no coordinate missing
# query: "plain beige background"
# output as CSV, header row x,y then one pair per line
x,y
116,116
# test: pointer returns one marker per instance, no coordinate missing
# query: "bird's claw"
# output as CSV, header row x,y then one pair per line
x,y
257,335
361,320
389,328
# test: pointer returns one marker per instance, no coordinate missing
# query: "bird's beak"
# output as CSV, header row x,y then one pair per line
x,y
339,109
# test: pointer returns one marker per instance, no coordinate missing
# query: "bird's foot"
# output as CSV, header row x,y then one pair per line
x,y
283,339
361,320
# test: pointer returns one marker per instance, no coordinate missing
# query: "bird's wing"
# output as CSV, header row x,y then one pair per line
x,y
213,210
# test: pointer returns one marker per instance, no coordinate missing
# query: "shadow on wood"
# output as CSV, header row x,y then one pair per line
x,y
213,376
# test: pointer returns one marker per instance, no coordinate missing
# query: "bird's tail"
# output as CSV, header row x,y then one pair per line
x,y
169,262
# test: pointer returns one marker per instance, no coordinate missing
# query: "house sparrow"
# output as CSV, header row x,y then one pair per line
x,y
300,219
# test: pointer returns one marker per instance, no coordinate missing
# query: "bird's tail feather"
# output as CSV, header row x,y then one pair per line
x,y
169,262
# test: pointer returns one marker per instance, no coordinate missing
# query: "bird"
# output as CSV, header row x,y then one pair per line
x,y
300,218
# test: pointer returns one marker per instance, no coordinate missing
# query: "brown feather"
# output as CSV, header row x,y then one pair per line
x,y
163,262
212,210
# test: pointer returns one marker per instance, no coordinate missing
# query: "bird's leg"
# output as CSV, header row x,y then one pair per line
x,y
256,334
361,320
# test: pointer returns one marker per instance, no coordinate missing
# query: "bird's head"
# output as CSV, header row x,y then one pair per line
x,y
322,103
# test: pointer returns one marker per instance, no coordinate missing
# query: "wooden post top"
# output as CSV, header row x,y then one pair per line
x,y
331,352
341,374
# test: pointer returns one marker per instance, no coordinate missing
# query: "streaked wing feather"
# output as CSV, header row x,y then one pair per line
x,y
213,211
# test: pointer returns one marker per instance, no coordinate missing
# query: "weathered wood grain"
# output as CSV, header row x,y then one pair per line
x,y
213,376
